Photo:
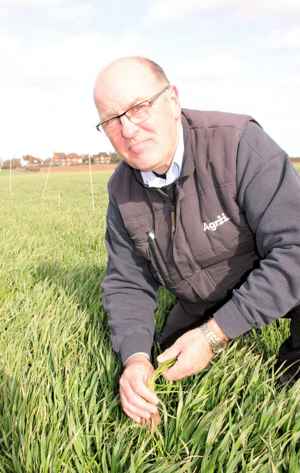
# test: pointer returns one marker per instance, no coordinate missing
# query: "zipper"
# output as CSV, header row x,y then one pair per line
x,y
154,249
173,220
173,211
158,258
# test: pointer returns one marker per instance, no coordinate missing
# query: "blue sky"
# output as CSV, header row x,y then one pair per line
x,y
228,55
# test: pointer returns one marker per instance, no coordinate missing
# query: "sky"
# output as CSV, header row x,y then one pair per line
x,y
229,55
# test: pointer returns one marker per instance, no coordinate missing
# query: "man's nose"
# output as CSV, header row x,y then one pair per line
x,y
129,129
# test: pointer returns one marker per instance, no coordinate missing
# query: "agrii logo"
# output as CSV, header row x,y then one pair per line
x,y
212,226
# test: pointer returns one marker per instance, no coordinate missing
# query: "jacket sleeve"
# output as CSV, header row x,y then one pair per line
x,y
268,190
129,291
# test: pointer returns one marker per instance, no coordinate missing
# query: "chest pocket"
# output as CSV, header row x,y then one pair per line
x,y
138,229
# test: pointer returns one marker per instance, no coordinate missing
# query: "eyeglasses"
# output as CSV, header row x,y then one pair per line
x,y
138,113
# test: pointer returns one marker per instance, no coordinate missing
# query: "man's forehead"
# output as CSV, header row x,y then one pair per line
x,y
117,90
114,104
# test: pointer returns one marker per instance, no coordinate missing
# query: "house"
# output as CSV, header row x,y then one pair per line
x,y
100,158
62,159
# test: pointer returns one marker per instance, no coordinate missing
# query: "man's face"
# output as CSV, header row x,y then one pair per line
x,y
149,145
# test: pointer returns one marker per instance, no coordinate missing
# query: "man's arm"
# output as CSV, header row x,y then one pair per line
x,y
269,195
129,291
129,297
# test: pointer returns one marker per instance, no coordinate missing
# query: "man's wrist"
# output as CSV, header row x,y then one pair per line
x,y
136,357
212,324
215,337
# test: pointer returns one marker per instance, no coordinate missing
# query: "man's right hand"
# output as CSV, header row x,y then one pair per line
x,y
138,401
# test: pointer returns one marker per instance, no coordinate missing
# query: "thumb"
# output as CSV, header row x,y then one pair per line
x,y
171,352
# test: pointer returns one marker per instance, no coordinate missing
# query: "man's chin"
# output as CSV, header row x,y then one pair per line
x,y
143,163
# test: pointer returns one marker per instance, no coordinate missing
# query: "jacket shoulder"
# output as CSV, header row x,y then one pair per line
x,y
118,178
216,119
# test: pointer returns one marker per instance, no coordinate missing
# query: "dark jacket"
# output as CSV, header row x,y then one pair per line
x,y
213,239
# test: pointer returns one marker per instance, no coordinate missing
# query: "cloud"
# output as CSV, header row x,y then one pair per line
x,y
211,67
163,10
48,68
28,3
41,4
277,7
166,9
46,90
45,18
280,39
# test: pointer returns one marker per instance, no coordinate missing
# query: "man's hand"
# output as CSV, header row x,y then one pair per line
x,y
193,353
138,401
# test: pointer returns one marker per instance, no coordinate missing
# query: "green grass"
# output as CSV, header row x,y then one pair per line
x,y
59,408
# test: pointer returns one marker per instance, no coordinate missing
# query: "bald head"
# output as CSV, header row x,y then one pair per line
x,y
125,69
144,62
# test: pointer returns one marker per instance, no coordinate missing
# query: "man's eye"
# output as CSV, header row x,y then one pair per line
x,y
110,123
141,108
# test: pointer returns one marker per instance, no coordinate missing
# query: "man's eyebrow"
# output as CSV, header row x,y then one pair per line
x,y
134,102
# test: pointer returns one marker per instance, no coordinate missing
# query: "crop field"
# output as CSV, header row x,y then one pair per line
x,y
59,406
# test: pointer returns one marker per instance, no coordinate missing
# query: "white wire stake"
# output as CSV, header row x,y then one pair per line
x,y
91,184
46,180
10,176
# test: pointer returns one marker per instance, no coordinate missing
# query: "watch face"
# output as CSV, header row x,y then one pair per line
x,y
220,346
217,344
218,349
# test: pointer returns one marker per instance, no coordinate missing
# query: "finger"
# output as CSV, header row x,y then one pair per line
x,y
140,387
178,371
171,352
135,418
135,399
145,392
153,422
135,413
138,409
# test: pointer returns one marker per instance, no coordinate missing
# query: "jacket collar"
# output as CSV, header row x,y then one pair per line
x,y
188,165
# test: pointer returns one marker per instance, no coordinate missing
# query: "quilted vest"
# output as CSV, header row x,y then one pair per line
x,y
198,245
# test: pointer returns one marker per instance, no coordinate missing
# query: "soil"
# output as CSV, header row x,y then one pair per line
x,y
79,168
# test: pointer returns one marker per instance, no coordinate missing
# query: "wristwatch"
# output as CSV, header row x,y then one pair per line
x,y
217,344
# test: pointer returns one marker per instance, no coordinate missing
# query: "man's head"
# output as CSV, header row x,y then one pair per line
x,y
146,136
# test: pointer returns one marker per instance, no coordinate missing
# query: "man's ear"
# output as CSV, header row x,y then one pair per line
x,y
174,95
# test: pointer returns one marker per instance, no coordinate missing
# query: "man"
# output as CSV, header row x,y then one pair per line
x,y
205,204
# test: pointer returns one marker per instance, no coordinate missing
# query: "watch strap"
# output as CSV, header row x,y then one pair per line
x,y
216,343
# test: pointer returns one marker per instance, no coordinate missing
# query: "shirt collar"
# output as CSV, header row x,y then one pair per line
x,y
151,180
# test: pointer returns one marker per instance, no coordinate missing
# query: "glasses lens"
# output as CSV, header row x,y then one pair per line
x,y
139,113
110,125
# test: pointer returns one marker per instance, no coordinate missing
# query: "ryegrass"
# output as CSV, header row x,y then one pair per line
x,y
59,407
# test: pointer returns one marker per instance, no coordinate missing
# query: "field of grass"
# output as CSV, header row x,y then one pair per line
x,y
59,408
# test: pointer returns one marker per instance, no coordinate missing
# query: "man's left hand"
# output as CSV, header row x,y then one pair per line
x,y
193,353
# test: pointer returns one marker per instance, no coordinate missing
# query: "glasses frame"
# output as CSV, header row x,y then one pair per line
x,y
150,102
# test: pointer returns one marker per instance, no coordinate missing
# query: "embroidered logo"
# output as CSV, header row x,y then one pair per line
x,y
212,226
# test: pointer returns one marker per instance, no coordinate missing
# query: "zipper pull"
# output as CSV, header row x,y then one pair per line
x,y
173,221
158,257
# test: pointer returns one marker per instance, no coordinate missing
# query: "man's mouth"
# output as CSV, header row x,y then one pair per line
x,y
138,147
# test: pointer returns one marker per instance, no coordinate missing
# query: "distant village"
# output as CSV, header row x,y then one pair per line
x,y
34,163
